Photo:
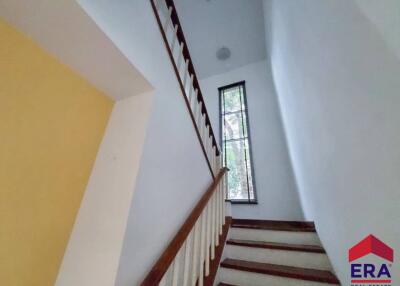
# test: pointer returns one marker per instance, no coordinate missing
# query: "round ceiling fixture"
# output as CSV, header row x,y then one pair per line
x,y
223,53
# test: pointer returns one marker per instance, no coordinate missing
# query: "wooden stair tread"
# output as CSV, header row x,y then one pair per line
x,y
225,284
281,270
277,245
279,225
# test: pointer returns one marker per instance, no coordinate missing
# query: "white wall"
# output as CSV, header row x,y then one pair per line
x,y
276,189
173,172
64,30
94,248
338,84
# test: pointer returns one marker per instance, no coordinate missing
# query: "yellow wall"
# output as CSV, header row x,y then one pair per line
x,y
51,125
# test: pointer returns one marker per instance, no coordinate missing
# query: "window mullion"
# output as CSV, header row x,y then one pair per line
x,y
224,134
233,112
244,144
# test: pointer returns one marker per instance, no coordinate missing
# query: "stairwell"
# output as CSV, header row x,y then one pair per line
x,y
265,252
256,252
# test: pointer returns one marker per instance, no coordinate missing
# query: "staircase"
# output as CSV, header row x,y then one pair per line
x,y
258,252
264,252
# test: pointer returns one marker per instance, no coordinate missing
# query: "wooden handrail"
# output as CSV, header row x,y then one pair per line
x,y
186,54
161,266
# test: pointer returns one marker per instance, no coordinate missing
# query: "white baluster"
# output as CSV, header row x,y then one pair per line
x,y
175,269
185,73
193,103
217,160
162,9
203,135
221,205
158,4
196,236
203,123
180,57
201,128
213,226
207,143
166,279
218,213
224,190
214,159
208,238
168,20
210,155
206,137
198,115
174,38
186,260
202,245
163,281
190,90
205,130
217,217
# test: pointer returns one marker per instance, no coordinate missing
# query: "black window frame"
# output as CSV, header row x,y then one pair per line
x,y
221,133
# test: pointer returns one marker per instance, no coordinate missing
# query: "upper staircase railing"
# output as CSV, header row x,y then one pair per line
x,y
172,33
193,255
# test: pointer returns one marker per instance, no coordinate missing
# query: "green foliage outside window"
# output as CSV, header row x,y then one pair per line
x,y
235,143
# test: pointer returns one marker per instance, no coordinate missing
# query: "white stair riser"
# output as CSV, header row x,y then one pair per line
x,y
281,257
243,278
294,237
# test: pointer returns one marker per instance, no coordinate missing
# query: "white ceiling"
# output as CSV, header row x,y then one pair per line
x,y
63,29
211,24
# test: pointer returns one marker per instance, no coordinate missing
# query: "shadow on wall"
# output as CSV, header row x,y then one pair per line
x,y
338,85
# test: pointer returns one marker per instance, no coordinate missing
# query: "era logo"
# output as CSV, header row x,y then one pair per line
x,y
369,271
365,273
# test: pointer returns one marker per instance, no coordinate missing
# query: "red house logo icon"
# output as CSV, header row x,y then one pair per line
x,y
367,273
369,245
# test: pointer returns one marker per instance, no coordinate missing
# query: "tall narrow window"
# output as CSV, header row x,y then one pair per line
x,y
235,140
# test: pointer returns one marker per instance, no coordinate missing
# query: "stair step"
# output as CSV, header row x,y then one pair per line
x,y
278,225
281,270
247,251
291,237
277,245
225,284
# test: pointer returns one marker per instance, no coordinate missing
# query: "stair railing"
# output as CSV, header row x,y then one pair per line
x,y
193,255
172,33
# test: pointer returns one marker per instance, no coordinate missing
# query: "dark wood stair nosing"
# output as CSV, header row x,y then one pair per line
x,y
277,225
277,246
292,272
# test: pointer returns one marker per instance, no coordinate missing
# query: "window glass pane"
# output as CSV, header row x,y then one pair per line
x,y
232,100
237,175
235,144
233,126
